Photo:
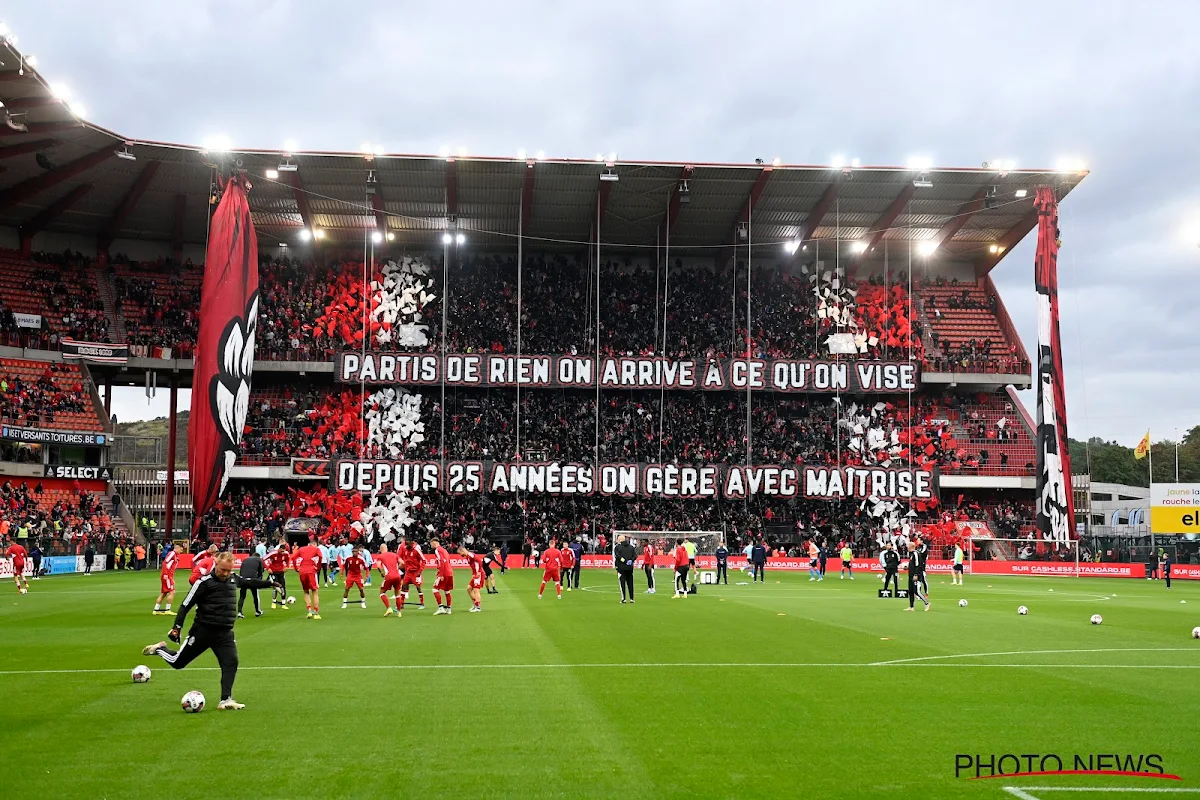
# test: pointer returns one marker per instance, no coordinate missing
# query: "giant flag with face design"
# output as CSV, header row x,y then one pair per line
x,y
224,358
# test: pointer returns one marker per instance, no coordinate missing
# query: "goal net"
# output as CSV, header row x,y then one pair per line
x,y
1032,550
664,541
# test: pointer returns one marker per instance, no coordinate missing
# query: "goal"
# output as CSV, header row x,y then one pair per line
x,y
664,541
1045,558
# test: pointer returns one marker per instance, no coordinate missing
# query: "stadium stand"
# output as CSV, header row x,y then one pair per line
x,y
46,395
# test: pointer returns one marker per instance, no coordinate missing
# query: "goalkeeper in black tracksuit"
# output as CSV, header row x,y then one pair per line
x,y
215,599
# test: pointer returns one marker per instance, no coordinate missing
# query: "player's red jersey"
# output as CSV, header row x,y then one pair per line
x,y
277,560
444,569
648,555
551,559
308,559
16,553
170,562
388,564
681,556
477,571
567,556
354,566
414,560
201,567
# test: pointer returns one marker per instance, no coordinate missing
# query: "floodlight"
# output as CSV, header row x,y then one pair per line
x,y
305,234
376,237
920,163
792,246
927,247
837,162
1022,192
447,238
318,233
859,247
460,239
272,174
391,236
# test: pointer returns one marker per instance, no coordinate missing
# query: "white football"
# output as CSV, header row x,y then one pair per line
x,y
291,600
24,590
1022,610
1097,619
962,603
1196,633
193,702
141,673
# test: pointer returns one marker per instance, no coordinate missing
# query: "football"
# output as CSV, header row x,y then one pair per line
x,y
1097,619
962,603
24,590
141,673
1022,610
193,702
1196,633
291,600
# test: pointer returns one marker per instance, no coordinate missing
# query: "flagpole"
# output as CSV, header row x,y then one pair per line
x,y
1150,455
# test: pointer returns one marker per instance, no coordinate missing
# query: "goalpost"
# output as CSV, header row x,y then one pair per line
x,y
1065,554
664,541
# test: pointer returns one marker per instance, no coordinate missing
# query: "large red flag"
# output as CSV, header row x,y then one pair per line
x,y
224,349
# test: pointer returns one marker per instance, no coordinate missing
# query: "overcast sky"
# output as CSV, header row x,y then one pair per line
x,y
1115,83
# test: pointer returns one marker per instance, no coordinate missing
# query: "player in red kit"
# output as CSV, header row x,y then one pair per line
x,y
203,564
444,582
648,553
414,565
567,557
476,564
352,568
308,561
681,570
388,565
166,578
17,553
551,568
277,563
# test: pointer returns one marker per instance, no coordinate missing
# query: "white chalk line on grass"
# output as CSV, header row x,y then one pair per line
x,y
1035,653
1023,792
638,665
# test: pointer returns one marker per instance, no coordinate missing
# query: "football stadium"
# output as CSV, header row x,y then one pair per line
x,y
529,391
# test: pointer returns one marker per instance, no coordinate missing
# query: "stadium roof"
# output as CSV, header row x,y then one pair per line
x,y
62,174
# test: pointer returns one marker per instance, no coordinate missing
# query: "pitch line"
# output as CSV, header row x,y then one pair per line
x,y
1033,653
630,665
1023,792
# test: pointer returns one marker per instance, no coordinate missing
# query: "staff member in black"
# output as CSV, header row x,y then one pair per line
x,y
891,566
917,587
252,568
213,597
1166,568
624,557
722,563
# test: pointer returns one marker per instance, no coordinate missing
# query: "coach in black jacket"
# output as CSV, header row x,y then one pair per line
x,y
624,557
215,599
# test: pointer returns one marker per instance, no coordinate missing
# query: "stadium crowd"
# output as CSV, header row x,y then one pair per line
x,y
37,402
58,521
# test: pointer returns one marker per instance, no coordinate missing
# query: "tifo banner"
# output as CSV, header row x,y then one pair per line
x,y
976,529
1175,507
1055,502
94,351
567,372
310,468
39,436
31,321
224,358
630,480
72,472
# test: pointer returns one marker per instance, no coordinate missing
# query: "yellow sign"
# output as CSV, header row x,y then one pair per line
x,y
1175,508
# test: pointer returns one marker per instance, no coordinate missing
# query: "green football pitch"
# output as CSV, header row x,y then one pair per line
x,y
779,689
